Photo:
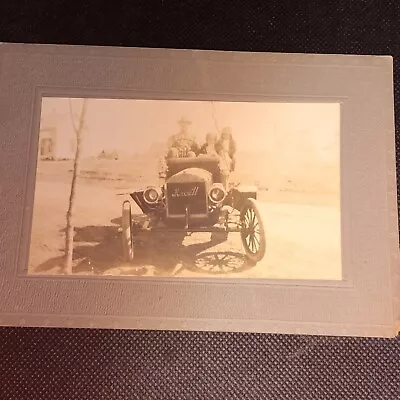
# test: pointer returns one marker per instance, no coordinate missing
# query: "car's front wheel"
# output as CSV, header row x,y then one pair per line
x,y
252,231
127,237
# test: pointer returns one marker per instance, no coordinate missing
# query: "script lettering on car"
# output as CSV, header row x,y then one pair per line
x,y
185,193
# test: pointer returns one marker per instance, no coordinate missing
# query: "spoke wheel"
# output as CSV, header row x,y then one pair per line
x,y
127,239
252,231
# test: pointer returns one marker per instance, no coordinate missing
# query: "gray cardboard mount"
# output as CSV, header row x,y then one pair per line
x,y
364,303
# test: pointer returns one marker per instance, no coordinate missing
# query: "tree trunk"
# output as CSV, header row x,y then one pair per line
x,y
69,237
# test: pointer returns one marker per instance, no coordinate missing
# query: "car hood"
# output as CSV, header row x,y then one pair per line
x,y
190,175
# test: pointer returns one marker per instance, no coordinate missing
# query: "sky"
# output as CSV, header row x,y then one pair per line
x,y
132,126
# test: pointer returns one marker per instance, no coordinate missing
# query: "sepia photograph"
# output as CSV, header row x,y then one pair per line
x,y
190,189
194,190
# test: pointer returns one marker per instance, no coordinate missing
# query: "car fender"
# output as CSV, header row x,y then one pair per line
x,y
241,193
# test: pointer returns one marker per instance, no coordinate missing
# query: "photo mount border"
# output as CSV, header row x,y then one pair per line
x,y
382,67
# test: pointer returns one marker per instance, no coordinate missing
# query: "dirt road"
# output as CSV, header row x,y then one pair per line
x,y
303,241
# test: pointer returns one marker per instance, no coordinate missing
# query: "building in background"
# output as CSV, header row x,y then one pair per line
x,y
53,145
57,140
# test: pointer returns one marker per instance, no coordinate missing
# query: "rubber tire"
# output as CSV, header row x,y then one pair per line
x,y
259,255
127,237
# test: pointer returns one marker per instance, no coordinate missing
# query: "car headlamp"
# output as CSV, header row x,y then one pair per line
x,y
217,193
151,195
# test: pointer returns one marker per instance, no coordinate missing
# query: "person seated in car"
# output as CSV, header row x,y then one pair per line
x,y
183,144
209,148
225,162
226,147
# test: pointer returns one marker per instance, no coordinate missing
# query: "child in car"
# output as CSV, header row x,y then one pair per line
x,y
209,148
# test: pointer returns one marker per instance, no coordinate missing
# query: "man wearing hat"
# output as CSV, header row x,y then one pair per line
x,y
183,144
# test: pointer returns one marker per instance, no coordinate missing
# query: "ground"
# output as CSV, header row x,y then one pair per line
x,y
302,228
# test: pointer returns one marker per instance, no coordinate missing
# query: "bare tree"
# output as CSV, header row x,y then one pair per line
x,y
215,118
69,236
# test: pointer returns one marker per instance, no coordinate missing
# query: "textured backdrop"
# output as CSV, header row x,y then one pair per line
x,y
95,364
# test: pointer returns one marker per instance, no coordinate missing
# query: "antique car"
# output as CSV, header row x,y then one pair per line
x,y
192,199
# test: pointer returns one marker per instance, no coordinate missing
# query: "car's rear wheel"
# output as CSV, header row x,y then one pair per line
x,y
252,231
127,237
